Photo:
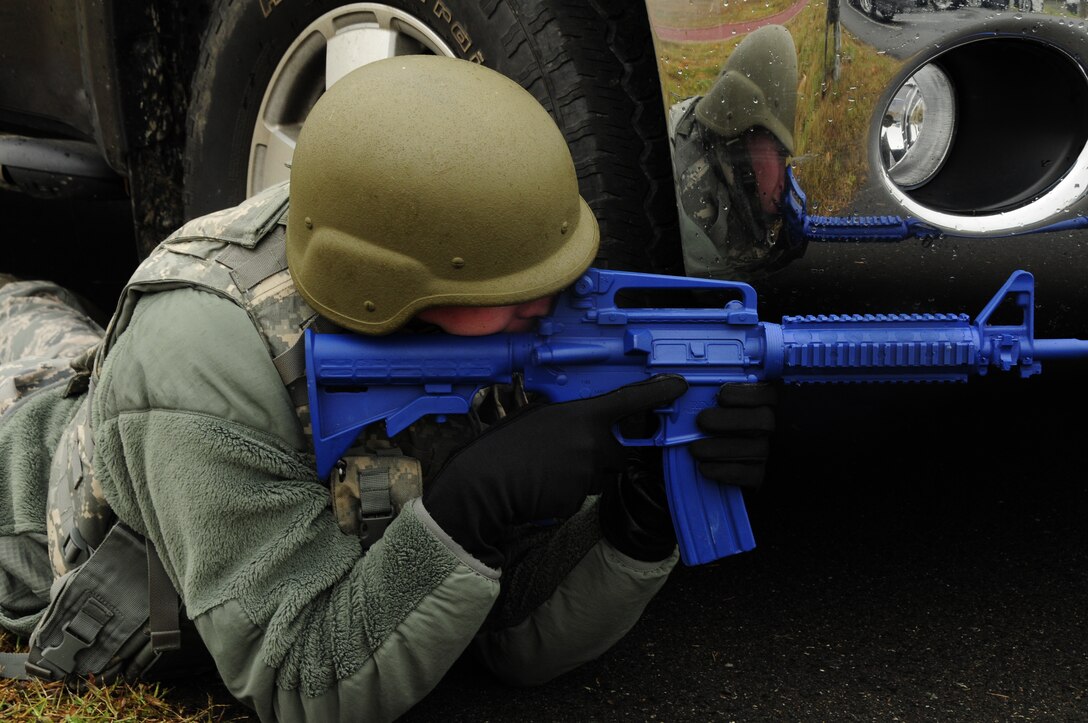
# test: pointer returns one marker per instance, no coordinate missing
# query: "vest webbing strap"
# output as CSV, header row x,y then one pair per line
x,y
13,666
249,269
291,364
80,633
374,499
82,630
162,612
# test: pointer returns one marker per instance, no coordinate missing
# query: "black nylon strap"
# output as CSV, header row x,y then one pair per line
x,y
162,614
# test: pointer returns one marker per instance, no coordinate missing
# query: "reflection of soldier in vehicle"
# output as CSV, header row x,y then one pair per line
x,y
729,157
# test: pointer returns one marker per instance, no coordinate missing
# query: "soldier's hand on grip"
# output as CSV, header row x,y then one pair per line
x,y
634,513
539,463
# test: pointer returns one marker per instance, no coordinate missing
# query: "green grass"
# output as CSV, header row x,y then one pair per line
x,y
147,703
143,702
833,116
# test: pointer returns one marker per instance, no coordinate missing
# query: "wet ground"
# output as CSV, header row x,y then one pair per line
x,y
908,567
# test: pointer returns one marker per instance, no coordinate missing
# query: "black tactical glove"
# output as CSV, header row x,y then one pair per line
x,y
634,513
539,463
739,429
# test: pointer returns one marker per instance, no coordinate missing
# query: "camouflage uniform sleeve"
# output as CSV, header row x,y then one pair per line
x,y
567,597
198,447
43,328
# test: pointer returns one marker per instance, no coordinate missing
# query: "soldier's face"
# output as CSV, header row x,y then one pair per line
x,y
483,320
769,167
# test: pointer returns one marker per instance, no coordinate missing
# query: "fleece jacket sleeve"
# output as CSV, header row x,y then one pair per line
x,y
28,435
566,601
199,449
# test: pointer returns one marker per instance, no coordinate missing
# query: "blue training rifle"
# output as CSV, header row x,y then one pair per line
x,y
812,227
590,345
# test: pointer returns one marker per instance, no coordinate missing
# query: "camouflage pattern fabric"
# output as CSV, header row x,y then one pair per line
x,y
370,484
46,337
77,513
238,253
43,328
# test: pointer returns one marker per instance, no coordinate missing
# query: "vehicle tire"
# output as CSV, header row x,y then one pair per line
x,y
591,65
942,4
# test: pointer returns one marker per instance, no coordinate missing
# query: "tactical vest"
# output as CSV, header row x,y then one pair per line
x,y
113,610
239,254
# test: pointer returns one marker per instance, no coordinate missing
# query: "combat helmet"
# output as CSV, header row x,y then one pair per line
x,y
422,181
756,87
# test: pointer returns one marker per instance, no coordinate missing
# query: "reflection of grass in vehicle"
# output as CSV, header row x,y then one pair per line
x,y
832,127
689,69
689,14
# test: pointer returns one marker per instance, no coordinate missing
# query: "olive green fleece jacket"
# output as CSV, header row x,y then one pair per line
x,y
198,447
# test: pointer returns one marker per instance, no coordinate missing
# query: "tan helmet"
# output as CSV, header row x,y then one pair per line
x,y
757,87
422,181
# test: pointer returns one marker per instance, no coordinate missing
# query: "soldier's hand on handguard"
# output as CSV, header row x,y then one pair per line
x,y
738,434
537,464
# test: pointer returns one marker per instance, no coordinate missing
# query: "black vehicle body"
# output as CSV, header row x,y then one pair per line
x,y
158,102
93,101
